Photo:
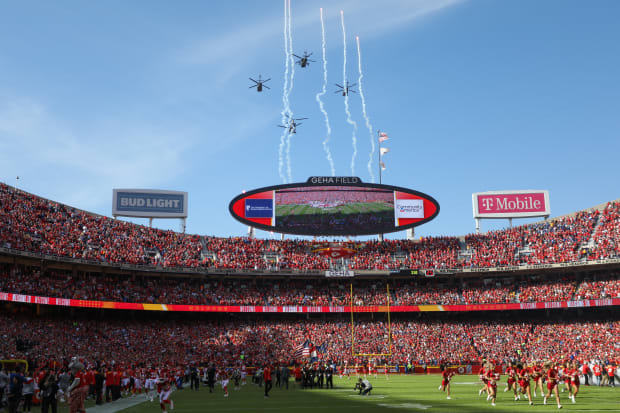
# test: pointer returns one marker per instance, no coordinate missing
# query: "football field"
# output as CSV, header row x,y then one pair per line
x,y
398,394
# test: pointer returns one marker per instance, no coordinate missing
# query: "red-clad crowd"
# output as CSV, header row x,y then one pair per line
x,y
35,224
317,292
32,223
558,240
177,342
607,234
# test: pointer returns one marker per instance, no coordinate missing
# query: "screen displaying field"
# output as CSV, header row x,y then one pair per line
x,y
335,210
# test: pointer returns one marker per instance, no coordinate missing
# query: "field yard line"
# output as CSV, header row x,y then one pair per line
x,y
120,404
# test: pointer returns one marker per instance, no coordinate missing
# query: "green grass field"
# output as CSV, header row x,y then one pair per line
x,y
398,394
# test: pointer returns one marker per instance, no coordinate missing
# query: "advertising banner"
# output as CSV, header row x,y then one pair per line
x,y
149,203
69,302
511,204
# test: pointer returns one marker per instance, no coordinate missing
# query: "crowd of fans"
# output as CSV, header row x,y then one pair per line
x,y
178,342
120,288
35,224
607,234
32,223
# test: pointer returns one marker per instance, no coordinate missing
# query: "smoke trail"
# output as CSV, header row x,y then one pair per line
x,y
366,118
291,62
346,95
318,96
284,100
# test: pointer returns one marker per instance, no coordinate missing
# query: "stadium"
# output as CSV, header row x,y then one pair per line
x,y
75,283
353,278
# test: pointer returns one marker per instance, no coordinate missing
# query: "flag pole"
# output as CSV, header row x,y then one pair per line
x,y
379,146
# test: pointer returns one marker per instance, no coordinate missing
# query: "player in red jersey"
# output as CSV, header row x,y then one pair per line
x,y
523,376
446,375
511,383
552,382
492,379
224,379
164,394
573,374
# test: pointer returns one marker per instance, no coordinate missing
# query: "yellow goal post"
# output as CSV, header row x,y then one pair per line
x,y
353,353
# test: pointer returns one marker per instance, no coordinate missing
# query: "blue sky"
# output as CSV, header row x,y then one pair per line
x,y
475,96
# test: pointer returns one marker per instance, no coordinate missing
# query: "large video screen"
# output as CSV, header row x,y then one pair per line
x,y
317,209
334,209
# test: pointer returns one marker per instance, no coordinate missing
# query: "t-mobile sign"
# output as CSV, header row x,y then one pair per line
x,y
511,204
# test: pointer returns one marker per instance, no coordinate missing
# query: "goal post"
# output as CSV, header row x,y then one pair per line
x,y
389,336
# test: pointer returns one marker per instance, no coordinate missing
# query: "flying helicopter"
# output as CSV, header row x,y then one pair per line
x,y
345,90
292,124
260,83
304,61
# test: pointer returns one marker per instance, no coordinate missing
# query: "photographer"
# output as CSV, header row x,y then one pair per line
x,y
364,387
49,388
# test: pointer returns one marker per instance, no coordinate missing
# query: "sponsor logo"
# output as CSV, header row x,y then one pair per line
x,y
341,273
258,208
512,203
131,202
321,180
409,208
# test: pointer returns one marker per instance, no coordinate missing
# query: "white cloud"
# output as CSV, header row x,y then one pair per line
x,y
84,164
368,18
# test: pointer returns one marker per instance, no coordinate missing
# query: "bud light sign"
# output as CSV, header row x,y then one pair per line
x,y
511,204
149,203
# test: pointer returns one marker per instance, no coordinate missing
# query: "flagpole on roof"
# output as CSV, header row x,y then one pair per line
x,y
379,146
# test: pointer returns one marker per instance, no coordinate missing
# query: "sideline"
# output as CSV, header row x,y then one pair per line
x,y
118,405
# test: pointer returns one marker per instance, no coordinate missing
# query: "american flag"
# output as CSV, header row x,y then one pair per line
x,y
298,352
308,350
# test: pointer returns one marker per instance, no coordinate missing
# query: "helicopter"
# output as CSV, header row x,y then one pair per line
x,y
292,125
345,90
260,83
304,61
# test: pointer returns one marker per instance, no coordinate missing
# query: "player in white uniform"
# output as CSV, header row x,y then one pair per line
x,y
149,385
243,374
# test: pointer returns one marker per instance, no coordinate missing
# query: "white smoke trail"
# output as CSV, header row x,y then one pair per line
x,y
284,99
366,118
350,121
290,89
318,96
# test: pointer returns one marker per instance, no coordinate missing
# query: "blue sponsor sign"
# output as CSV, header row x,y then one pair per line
x,y
258,208
150,203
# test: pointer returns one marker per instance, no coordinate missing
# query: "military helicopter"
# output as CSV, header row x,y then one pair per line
x,y
292,124
304,61
345,90
260,83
